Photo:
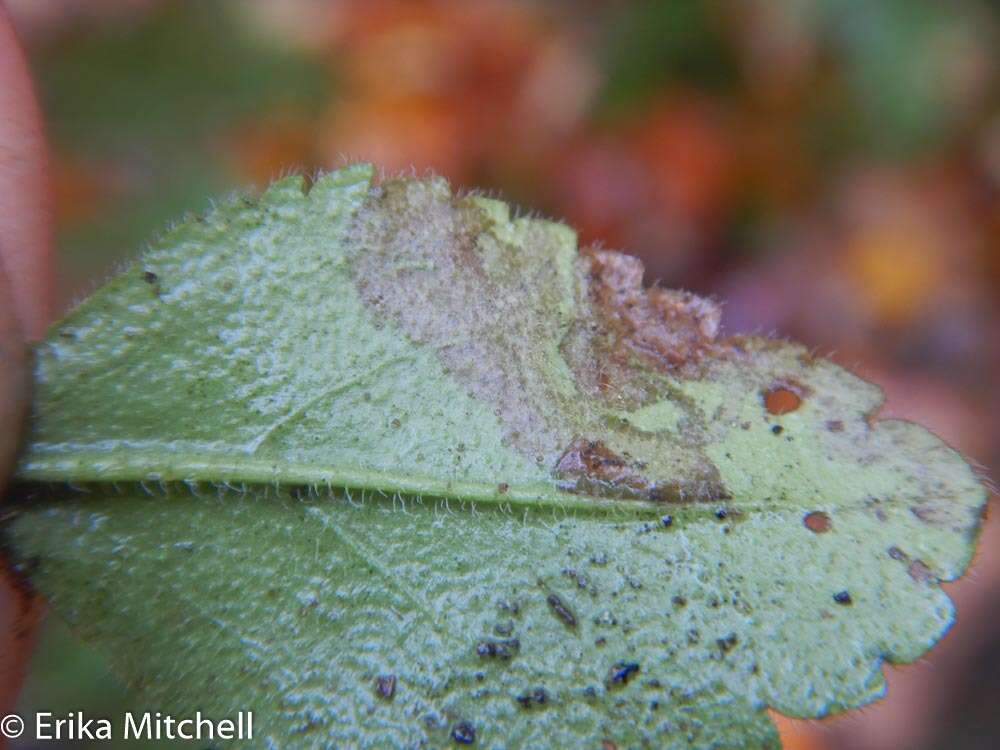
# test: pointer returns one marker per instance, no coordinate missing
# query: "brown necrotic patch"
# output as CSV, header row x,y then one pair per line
x,y
667,328
588,466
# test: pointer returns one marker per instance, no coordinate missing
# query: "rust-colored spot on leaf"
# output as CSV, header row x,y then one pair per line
x,y
817,522
784,397
608,745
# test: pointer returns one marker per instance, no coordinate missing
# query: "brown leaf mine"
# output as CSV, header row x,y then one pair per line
x,y
554,340
615,389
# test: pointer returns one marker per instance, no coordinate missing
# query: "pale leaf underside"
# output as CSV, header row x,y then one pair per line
x,y
358,431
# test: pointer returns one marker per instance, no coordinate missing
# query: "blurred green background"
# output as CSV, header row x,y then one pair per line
x,y
831,168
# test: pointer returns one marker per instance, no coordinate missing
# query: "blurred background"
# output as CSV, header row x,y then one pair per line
x,y
830,168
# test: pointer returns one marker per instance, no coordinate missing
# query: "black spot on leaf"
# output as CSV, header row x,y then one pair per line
x,y
463,733
385,686
621,672
502,650
561,610
537,697
726,643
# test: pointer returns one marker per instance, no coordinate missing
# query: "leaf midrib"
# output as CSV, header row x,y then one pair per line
x,y
194,477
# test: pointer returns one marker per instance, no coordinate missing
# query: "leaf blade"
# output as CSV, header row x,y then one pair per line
x,y
397,339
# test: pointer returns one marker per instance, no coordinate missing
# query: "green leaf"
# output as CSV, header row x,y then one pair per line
x,y
368,431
